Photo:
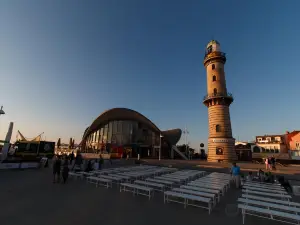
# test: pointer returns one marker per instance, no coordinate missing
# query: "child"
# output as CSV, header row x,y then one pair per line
x,y
249,177
65,172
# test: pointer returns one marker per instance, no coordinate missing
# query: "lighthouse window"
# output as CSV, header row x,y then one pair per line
x,y
213,66
218,128
214,78
209,49
215,91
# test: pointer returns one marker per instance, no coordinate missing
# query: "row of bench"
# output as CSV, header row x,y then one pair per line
x,y
204,192
269,201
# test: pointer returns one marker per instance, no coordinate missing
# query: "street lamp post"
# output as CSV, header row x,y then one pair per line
x,y
159,154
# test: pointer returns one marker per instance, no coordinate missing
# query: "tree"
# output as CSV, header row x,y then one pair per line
x,y
73,143
70,143
58,144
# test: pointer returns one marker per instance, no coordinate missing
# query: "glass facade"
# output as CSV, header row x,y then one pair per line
x,y
122,133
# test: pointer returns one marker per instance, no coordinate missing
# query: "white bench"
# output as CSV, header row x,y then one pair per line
x,y
123,177
186,197
155,186
281,192
207,185
294,204
222,183
198,193
276,187
169,184
115,180
269,205
265,183
76,175
169,179
86,174
206,190
137,189
274,195
99,181
268,214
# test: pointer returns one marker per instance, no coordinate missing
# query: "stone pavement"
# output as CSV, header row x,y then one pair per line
x,y
30,198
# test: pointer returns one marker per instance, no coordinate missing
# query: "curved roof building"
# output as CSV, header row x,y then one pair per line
x,y
122,127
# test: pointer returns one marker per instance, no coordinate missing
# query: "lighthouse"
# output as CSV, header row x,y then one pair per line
x,y
220,141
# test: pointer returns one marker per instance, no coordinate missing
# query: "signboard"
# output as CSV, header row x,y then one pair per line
x,y
46,148
220,140
27,148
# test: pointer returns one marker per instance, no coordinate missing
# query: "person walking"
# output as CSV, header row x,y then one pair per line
x,y
78,160
56,169
236,173
71,157
101,161
273,163
65,172
267,163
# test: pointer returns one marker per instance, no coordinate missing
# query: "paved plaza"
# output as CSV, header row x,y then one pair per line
x,y
29,197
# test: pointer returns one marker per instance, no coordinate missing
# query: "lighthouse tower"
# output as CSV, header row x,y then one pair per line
x,y
220,141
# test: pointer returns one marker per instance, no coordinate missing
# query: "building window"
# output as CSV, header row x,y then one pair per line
x,y
209,49
213,66
219,151
214,78
297,146
218,128
256,149
215,91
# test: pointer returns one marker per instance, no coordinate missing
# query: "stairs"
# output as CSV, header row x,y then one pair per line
x,y
174,148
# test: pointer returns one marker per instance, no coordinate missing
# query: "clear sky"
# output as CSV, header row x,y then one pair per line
x,y
62,63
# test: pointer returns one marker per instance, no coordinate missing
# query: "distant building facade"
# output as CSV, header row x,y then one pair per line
x,y
122,130
293,143
271,143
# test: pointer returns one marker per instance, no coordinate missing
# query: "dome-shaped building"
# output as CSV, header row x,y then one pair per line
x,y
122,130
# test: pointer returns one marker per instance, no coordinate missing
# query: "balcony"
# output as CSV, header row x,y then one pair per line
x,y
218,95
214,54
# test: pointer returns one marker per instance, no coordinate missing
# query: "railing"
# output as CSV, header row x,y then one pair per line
x,y
216,95
212,54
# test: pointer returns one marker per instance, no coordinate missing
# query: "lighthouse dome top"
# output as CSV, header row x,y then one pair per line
x,y
213,46
212,42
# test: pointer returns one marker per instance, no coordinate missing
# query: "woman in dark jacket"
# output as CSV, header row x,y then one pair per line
x,y
65,172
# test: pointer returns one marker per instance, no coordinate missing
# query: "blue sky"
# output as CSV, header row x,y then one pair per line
x,y
62,63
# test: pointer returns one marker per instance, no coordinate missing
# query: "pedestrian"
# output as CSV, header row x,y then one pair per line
x,y
101,161
78,160
65,172
235,171
267,163
71,157
89,166
56,169
249,177
273,163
